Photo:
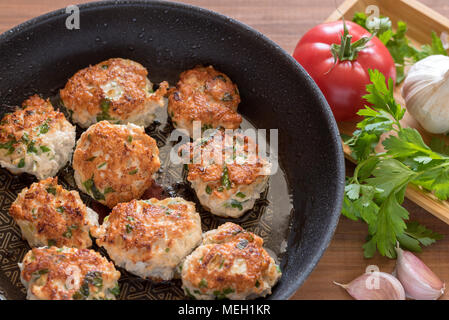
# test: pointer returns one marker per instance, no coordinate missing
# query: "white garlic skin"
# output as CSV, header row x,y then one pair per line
x,y
418,280
426,93
365,287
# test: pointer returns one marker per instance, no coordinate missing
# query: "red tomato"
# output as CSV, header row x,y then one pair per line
x,y
343,84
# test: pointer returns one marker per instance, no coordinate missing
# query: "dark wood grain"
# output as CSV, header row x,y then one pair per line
x,y
285,21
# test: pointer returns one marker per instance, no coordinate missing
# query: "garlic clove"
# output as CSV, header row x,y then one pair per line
x,y
419,281
375,286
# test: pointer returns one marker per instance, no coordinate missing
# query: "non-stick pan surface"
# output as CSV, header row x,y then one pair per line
x,y
168,38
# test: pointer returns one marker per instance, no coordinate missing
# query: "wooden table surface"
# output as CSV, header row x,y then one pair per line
x,y
285,21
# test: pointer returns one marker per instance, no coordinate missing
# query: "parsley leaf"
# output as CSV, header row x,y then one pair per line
x,y
436,47
377,121
425,236
439,146
409,143
390,174
376,192
435,179
402,51
389,225
382,96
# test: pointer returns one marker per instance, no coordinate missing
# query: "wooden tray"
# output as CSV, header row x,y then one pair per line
x,y
421,21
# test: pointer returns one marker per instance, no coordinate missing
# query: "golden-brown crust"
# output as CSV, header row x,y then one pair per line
x,y
207,95
59,264
83,91
229,232
222,250
238,173
117,157
58,215
34,113
140,224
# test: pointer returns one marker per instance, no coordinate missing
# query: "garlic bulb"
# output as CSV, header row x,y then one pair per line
x,y
426,93
418,280
375,286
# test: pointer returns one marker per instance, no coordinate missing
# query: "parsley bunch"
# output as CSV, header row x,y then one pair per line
x,y
402,51
376,191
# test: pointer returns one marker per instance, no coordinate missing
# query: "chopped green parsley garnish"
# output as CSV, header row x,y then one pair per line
x,y
104,106
25,137
90,187
92,277
21,163
45,149
43,128
31,148
203,283
68,233
220,295
225,178
51,190
235,204
102,165
108,190
41,272
208,190
115,291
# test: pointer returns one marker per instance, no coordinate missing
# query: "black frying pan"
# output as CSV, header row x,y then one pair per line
x,y
168,38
